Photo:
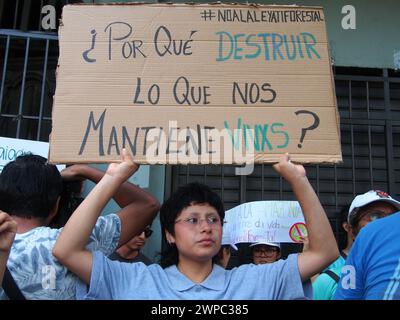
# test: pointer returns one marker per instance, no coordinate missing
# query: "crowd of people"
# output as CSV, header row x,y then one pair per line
x,y
55,248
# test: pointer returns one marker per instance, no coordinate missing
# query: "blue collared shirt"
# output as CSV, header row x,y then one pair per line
x,y
136,281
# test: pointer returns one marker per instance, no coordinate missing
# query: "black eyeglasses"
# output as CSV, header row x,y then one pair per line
x,y
148,232
258,252
371,216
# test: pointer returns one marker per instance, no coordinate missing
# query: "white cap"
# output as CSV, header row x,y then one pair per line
x,y
367,198
225,241
230,244
272,244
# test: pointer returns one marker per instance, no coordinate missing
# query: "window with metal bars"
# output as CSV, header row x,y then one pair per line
x,y
28,61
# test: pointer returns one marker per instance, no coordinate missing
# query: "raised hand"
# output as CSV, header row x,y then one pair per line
x,y
125,168
288,170
8,228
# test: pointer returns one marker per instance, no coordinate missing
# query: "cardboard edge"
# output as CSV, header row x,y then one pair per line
x,y
192,4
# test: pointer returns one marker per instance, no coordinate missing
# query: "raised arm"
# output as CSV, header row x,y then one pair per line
x,y
70,246
322,249
8,228
139,208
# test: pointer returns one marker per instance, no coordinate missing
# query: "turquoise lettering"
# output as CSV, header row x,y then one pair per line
x,y
237,48
252,44
310,46
284,133
235,143
221,56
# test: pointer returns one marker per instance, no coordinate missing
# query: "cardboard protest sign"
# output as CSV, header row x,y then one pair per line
x,y
269,221
177,83
11,148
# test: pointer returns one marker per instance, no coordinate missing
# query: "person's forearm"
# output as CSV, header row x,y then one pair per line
x,y
3,263
126,193
78,229
320,235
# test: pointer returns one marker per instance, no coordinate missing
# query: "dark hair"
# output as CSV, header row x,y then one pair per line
x,y
29,187
342,234
70,199
344,213
185,196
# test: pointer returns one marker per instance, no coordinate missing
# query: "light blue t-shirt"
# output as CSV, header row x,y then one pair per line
x,y
372,270
37,272
117,280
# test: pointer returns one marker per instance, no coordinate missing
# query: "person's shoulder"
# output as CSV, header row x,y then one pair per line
x,y
143,258
336,265
277,266
39,234
108,221
108,217
324,279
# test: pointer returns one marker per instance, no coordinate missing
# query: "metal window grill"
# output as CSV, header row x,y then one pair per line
x,y
368,101
28,62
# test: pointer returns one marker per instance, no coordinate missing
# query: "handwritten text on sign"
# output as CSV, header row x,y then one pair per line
x,y
270,221
178,82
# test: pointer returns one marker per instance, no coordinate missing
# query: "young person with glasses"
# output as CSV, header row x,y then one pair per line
x,y
191,220
370,206
265,252
372,269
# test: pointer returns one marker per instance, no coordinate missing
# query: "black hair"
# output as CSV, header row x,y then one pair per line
x,y
187,195
342,234
29,187
70,199
344,213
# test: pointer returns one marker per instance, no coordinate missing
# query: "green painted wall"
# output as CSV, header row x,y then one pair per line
x,y
376,38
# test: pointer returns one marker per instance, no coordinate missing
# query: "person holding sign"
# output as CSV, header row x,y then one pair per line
x,y
265,252
30,190
191,220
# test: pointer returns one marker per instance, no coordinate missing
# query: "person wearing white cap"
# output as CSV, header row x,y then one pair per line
x,y
365,208
370,206
265,252
372,269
